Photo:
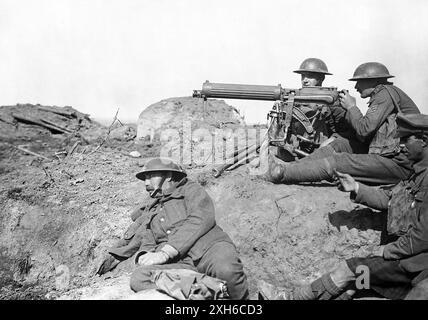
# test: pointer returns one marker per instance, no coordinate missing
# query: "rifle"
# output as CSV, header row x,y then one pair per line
x,y
297,119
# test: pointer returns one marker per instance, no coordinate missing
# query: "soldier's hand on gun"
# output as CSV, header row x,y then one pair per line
x,y
152,258
345,182
346,100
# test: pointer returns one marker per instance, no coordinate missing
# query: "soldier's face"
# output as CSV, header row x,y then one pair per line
x,y
153,181
365,87
311,79
413,147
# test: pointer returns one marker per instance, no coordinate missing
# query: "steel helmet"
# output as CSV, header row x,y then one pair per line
x,y
371,70
160,165
313,65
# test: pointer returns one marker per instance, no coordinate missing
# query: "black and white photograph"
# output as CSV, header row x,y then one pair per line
x,y
234,152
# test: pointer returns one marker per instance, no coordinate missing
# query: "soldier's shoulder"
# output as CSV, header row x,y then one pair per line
x,y
381,91
424,183
192,185
192,188
380,96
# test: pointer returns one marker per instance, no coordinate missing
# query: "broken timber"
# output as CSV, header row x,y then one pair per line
x,y
43,123
69,114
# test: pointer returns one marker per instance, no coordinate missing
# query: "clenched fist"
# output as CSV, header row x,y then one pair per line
x,y
346,100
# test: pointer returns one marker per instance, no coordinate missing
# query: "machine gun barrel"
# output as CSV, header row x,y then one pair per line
x,y
239,91
326,95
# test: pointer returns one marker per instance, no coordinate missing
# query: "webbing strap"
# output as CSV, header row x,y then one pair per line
x,y
288,113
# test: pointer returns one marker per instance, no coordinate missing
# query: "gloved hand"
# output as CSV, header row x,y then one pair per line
x,y
108,264
152,258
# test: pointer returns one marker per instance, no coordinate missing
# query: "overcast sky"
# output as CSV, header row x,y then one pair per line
x,y
98,55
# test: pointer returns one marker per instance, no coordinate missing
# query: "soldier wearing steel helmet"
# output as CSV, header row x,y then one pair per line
x,y
177,230
393,268
313,72
382,162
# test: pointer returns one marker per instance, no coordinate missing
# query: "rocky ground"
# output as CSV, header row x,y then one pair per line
x,y
59,215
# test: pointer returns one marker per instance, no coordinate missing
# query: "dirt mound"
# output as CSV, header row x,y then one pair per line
x,y
171,113
27,121
60,215
64,215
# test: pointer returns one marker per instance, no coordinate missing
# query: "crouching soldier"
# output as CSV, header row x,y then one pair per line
x,y
177,231
393,269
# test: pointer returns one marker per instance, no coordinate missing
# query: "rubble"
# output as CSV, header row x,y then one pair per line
x,y
27,121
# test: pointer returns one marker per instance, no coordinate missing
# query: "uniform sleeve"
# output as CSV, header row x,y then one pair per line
x,y
414,241
379,109
372,197
337,119
200,219
136,236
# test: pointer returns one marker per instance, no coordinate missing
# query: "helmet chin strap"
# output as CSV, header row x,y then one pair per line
x,y
158,188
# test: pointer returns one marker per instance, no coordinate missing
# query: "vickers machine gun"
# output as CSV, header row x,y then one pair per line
x,y
297,121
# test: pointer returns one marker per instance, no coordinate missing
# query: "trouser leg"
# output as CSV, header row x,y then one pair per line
x,y
386,277
222,261
338,145
371,168
351,145
368,168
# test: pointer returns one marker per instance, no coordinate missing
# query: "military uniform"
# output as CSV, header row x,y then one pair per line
x,y
384,163
403,260
407,256
184,219
335,115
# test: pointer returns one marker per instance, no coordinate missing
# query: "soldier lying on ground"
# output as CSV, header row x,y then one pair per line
x,y
384,163
177,231
395,267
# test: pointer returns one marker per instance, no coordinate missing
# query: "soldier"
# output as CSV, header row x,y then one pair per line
x,y
384,163
403,262
177,231
313,72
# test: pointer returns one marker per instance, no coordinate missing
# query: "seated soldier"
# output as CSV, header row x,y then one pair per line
x,y
177,230
403,262
384,163
313,72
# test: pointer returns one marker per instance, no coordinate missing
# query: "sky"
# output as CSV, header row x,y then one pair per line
x,y
101,55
